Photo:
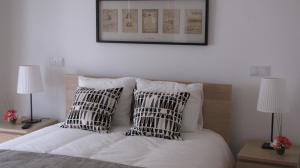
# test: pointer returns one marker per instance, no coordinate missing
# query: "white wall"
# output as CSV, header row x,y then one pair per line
x,y
4,58
242,33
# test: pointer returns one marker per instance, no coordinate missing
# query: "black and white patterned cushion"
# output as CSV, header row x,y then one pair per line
x,y
92,109
158,114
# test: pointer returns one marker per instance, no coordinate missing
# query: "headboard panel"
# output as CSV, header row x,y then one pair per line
x,y
216,110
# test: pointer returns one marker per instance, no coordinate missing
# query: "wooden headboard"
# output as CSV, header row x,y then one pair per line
x,y
216,110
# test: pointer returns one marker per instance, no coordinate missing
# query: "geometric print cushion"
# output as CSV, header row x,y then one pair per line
x,y
92,109
158,114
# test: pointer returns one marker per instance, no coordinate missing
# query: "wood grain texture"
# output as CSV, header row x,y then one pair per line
x,y
245,164
6,137
216,110
11,131
253,154
8,128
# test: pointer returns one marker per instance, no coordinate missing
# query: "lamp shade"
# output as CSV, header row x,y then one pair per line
x,y
272,96
29,79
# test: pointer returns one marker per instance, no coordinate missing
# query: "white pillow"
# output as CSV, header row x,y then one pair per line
x,y
122,113
192,114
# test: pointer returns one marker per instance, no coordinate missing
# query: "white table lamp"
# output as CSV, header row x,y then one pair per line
x,y
30,81
272,99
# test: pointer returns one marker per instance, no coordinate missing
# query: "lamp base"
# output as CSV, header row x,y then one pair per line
x,y
33,121
267,145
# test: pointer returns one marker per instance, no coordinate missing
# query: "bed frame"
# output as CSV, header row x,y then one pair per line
x,y
216,110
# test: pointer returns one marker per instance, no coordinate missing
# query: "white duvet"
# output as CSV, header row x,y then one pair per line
x,y
202,149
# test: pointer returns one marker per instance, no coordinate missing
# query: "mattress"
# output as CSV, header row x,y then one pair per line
x,y
201,149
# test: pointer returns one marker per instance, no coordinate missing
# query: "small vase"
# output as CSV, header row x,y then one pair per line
x,y
280,151
13,122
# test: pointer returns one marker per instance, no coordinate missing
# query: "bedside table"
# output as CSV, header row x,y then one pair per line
x,y
253,156
9,131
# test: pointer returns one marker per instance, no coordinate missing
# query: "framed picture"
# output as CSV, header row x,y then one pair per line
x,y
183,22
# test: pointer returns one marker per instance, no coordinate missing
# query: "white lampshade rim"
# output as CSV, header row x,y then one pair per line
x,y
272,78
269,112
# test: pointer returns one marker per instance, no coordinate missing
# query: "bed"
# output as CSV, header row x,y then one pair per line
x,y
207,148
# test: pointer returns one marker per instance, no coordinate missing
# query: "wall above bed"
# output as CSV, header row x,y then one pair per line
x,y
4,56
242,33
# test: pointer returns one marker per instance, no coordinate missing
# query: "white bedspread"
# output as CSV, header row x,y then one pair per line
x,y
203,149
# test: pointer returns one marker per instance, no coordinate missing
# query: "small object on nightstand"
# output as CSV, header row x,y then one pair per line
x,y
253,156
267,145
280,144
11,116
26,125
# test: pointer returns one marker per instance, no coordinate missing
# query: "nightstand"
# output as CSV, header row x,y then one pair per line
x,y
253,156
9,131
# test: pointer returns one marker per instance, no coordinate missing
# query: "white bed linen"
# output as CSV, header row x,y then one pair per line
x,y
203,149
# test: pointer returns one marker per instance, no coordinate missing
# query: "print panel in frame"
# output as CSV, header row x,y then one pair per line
x,y
171,21
180,22
110,20
130,20
150,20
193,21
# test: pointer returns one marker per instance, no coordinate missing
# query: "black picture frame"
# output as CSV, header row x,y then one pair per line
x,y
99,33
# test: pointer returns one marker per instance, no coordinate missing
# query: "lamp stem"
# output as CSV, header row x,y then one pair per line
x,y
31,107
272,127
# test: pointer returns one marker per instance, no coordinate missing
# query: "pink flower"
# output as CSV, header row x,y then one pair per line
x,y
10,115
280,142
